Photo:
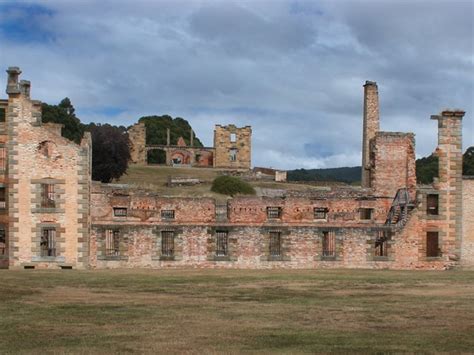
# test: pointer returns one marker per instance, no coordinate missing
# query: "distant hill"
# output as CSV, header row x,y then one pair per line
x,y
345,174
426,169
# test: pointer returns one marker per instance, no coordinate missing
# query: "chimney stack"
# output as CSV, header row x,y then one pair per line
x,y
12,83
25,86
371,127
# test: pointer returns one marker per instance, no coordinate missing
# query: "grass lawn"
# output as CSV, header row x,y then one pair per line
x,y
155,178
209,311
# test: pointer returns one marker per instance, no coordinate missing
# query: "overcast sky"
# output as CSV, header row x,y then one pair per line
x,y
293,70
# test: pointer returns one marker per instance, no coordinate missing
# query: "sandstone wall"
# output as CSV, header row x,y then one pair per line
x,y
467,254
224,145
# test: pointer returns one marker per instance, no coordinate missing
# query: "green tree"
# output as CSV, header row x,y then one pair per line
x,y
468,162
64,113
110,152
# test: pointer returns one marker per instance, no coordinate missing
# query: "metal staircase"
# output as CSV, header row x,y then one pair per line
x,y
401,206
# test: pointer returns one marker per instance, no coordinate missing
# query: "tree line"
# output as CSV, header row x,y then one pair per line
x,y
111,144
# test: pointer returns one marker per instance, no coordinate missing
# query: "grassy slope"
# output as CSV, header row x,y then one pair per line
x,y
155,178
202,311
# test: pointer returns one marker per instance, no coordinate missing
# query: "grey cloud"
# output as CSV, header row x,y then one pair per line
x,y
292,70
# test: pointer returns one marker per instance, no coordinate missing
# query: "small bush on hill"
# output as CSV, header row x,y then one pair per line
x,y
228,185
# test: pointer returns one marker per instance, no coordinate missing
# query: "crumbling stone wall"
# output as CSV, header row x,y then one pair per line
x,y
393,163
224,147
137,136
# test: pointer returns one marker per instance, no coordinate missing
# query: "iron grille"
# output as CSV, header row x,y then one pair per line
x,y
167,214
329,243
3,241
273,212
48,196
275,244
112,242
167,243
320,213
221,243
3,158
48,242
120,212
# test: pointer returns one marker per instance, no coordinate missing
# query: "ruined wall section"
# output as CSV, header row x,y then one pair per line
x,y
233,147
467,253
39,155
371,125
393,163
449,182
137,137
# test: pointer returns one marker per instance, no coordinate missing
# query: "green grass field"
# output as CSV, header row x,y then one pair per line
x,y
232,311
155,177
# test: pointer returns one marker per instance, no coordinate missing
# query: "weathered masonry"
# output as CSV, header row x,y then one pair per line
x,y
389,222
232,148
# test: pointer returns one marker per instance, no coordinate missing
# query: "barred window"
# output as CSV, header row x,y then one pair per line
x,y
167,214
432,204
366,213
112,242
167,243
275,244
3,158
329,243
221,243
120,212
432,244
3,240
273,212
48,242
3,202
381,243
48,196
320,213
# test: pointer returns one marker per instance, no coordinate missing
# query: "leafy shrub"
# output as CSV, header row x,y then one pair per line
x,y
228,185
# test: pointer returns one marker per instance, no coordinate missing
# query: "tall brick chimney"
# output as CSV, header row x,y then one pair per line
x,y
371,127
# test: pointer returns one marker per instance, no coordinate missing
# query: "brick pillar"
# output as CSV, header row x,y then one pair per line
x,y
371,127
449,182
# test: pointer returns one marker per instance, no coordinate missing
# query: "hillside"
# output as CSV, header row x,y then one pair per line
x,y
345,174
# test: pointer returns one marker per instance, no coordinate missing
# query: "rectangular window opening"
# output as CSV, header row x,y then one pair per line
x,y
381,243
432,245
329,243
120,212
3,158
112,242
221,243
320,213
273,212
275,244
3,240
432,204
48,242
167,214
3,200
2,114
233,137
366,213
48,199
233,154
167,243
